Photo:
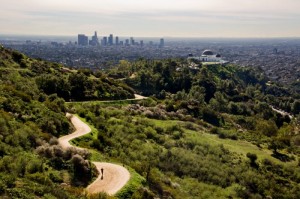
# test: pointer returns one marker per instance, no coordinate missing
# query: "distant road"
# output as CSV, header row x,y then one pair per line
x,y
136,97
114,176
283,113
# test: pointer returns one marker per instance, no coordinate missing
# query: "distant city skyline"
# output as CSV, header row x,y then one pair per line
x,y
83,40
152,18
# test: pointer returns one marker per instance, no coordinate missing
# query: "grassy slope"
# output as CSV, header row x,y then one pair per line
x,y
241,147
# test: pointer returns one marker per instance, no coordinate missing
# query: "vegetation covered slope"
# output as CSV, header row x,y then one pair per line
x,y
205,132
182,159
32,116
209,132
52,78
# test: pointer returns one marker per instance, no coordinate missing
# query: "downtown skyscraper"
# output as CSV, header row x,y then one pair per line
x,y
83,40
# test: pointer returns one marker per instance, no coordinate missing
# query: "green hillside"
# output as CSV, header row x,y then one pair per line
x,y
72,85
32,117
208,132
204,132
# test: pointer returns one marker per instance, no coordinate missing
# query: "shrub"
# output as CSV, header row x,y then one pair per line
x,y
17,57
252,157
53,141
211,117
214,130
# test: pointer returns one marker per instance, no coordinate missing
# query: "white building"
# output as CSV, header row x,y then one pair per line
x,y
208,57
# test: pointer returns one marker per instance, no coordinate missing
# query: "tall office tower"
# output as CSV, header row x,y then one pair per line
x,y
127,42
162,43
117,41
94,41
104,41
110,40
121,43
142,43
83,40
131,41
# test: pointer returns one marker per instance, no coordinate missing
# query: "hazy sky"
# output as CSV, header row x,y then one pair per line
x,y
177,18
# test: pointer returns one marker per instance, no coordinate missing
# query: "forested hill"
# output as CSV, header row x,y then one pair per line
x,y
52,78
211,83
32,117
206,131
208,92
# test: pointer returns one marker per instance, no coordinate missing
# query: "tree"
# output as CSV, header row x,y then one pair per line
x,y
78,83
267,127
197,93
82,168
275,145
296,107
205,80
51,84
211,116
253,158
234,108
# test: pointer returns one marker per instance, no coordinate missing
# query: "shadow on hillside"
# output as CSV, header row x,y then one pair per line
x,y
282,157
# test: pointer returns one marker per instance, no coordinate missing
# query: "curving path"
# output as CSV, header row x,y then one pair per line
x,y
283,113
114,176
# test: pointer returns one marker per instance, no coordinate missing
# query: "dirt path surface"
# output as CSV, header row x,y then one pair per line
x,y
139,97
283,113
136,97
111,177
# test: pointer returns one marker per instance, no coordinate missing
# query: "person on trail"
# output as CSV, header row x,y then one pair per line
x,y
102,173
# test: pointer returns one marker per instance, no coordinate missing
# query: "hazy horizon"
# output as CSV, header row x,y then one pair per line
x,y
149,36
145,18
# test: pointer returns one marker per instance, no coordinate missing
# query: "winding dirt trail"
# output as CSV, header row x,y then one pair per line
x,y
113,178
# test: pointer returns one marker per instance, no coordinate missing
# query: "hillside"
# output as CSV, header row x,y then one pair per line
x,y
72,85
204,132
210,132
32,117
